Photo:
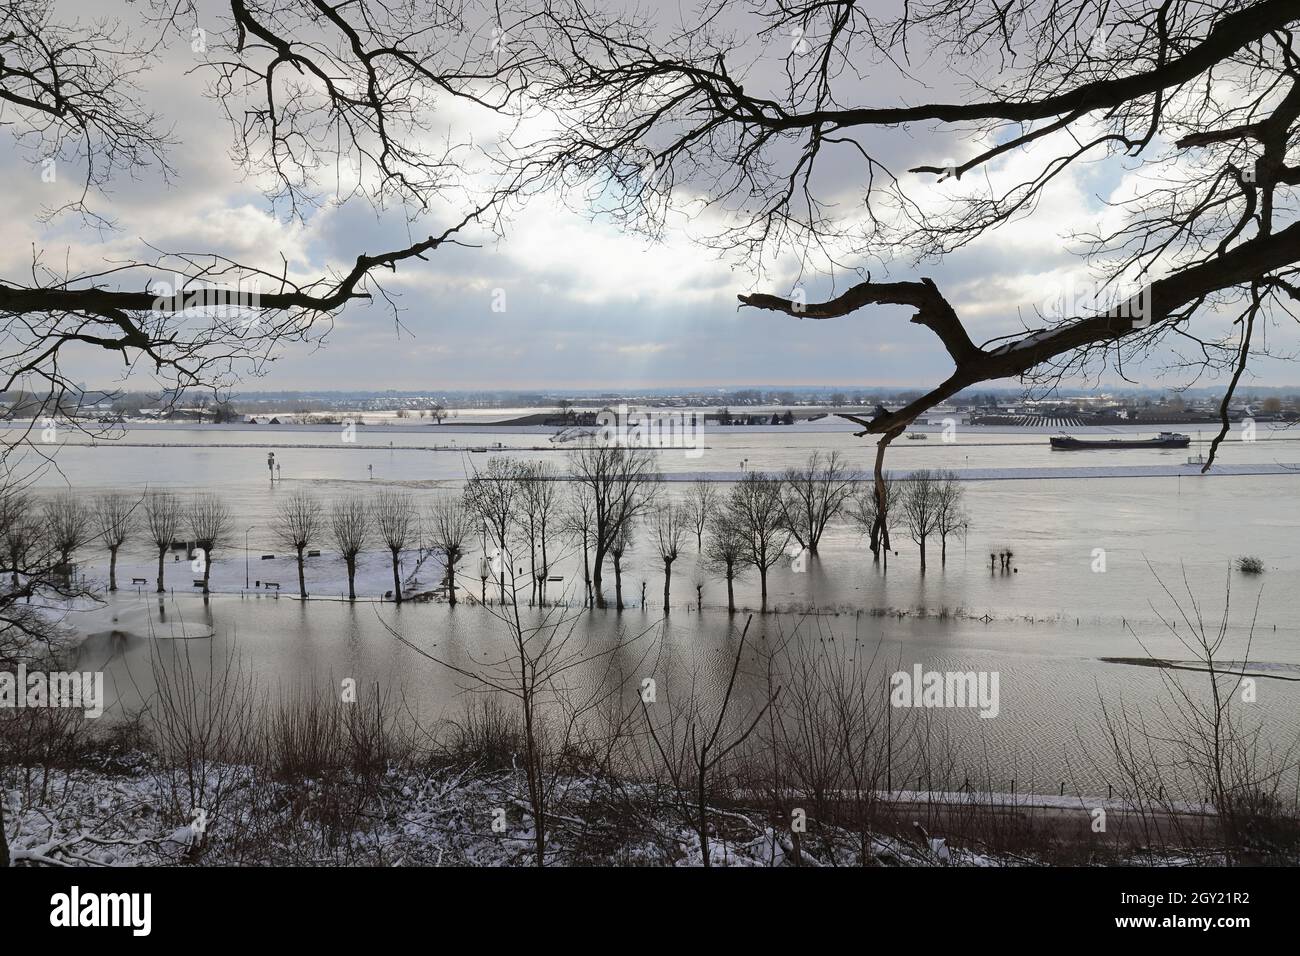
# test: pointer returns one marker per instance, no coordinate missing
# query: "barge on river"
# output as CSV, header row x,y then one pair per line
x,y
1163,440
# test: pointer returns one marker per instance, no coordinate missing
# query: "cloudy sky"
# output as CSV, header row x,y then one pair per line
x,y
585,305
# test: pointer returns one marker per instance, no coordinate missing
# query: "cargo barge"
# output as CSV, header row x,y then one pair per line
x,y
1163,440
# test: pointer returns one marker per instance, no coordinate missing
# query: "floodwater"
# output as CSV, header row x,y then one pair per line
x,y
1165,543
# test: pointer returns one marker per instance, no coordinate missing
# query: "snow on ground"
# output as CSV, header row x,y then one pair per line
x,y
437,817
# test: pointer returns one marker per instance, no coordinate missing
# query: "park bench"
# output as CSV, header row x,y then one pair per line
x,y
271,584
139,580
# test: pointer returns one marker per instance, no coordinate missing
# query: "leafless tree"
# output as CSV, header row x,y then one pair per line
x,y
35,565
812,495
871,511
617,548
621,483
692,742
539,503
451,529
702,499
577,520
396,521
919,502
670,526
1209,230
22,529
307,89
536,671
210,524
951,516
754,508
725,551
115,520
299,520
493,495
163,521
350,528
69,525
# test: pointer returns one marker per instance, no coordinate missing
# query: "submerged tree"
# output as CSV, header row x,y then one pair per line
x,y
871,511
451,529
115,521
724,552
754,508
813,494
396,522
493,496
210,524
350,528
163,520
620,484
540,506
950,516
669,532
299,520
919,503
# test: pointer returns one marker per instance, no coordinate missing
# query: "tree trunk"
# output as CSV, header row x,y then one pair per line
x,y
535,590
922,542
4,843
302,576
451,583
207,570
668,577
762,577
597,576
586,570
351,561
112,568
618,583
162,553
397,579
546,569
731,594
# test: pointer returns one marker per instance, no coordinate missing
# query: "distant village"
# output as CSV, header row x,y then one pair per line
x,y
724,408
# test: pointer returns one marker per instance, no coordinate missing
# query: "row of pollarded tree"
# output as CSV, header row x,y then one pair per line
x,y
617,494
611,495
64,523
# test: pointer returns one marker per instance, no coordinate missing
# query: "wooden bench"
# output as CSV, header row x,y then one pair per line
x,y
198,583
271,584
139,580
313,554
